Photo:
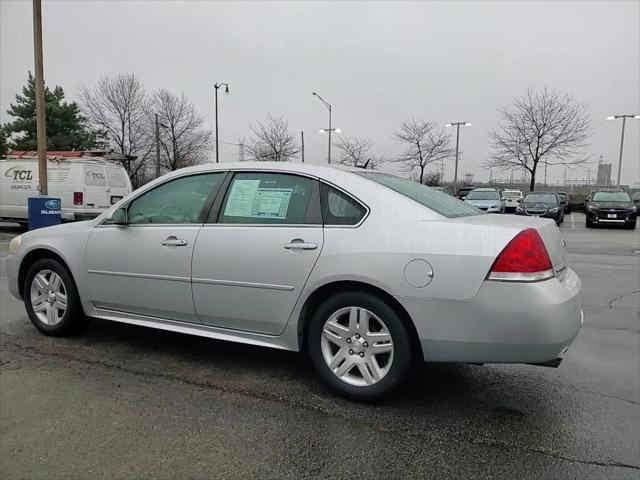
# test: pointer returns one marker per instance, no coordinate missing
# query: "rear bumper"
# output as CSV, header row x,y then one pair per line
x,y
504,323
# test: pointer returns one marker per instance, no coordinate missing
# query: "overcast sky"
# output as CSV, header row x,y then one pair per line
x,y
377,63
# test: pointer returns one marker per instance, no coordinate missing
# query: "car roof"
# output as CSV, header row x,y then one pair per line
x,y
542,191
485,189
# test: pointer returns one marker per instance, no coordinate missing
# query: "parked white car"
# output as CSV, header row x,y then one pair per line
x,y
365,272
87,185
512,198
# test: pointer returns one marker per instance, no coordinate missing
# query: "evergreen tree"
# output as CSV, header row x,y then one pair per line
x,y
67,129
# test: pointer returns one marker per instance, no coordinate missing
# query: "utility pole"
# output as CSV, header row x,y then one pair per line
x,y
41,129
624,121
455,171
226,91
302,140
545,173
157,147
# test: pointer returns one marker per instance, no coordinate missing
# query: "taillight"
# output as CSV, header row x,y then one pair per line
x,y
77,198
524,259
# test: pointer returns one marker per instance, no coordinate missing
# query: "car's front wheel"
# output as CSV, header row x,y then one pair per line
x,y
359,345
51,298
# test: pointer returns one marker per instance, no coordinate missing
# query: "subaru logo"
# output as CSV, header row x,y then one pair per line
x,y
53,204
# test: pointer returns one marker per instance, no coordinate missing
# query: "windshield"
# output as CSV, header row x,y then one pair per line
x,y
611,197
482,195
439,202
540,198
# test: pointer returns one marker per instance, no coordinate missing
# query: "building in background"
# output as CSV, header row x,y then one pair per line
x,y
604,173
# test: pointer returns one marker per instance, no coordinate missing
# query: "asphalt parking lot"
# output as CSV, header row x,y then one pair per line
x,y
126,402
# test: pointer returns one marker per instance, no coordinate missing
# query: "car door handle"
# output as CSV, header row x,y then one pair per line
x,y
299,244
174,242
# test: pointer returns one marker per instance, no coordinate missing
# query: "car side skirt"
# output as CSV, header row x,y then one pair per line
x,y
200,330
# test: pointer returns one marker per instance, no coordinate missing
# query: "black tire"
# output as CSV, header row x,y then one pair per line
x,y
631,226
588,224
403,354
73,316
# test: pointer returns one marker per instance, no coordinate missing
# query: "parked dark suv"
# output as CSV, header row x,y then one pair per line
x,y
542,204
610,207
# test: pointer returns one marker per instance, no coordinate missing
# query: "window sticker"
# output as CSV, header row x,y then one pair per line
x,y
272,203
247,199
241,198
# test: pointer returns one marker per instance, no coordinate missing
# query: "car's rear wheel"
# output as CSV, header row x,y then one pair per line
x,y
588,224
359,345
51,298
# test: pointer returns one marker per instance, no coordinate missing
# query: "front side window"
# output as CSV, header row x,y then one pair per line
x,y
339,209
269,198
439,202
177,201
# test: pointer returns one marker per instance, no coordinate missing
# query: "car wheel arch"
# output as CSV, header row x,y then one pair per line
x,y
327,290
33,256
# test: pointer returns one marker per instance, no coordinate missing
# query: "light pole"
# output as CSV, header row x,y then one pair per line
x,y
329,130
226,91
624,121
455,172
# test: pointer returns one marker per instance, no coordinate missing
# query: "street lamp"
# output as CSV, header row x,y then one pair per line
x,y
226,91
624,121
327,130
457,125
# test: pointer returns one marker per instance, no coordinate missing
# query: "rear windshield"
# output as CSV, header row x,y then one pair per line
x,y
481,195
116,177
611,197
511,194
439,202
540,197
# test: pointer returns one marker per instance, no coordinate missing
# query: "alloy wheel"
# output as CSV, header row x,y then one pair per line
x,y
48,297
357,346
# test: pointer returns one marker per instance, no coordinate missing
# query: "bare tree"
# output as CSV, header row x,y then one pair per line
x,y
356,153
426,144
184,141
118,107
545,126
272,140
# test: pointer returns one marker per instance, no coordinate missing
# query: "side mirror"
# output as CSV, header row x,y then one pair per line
x,y
118,217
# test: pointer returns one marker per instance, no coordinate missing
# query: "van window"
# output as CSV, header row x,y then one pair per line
x,y
116,177
94,176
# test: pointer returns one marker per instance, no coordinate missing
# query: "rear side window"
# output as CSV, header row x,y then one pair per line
x,y
439,202
270,198
116,177
94,176
339,209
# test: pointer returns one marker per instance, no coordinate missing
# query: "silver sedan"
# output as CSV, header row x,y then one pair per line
x,y
365,272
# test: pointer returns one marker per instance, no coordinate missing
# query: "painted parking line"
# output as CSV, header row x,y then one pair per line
x,y
573,222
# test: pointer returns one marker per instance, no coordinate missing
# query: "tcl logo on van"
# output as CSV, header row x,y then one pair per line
x,y
19,173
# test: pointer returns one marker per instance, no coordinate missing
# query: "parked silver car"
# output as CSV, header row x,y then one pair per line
x,y
486,199
364,271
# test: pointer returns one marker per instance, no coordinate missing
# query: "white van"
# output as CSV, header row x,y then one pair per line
x,y
86,185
